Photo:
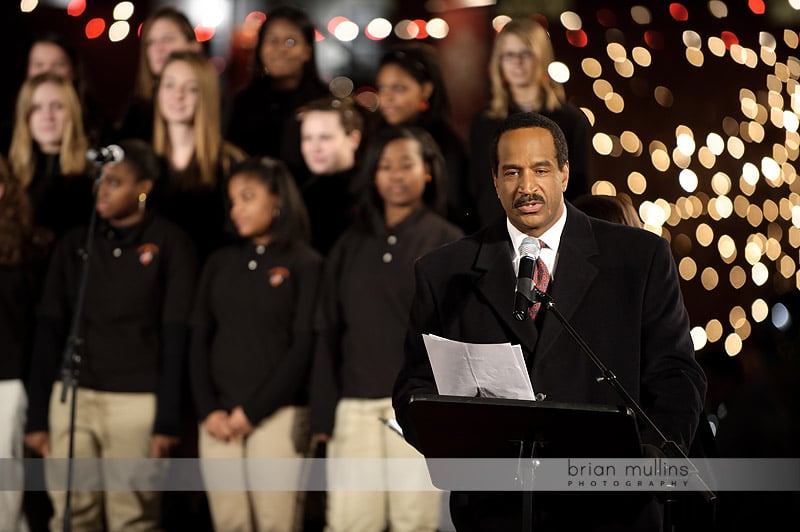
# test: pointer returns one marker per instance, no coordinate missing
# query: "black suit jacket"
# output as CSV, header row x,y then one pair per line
x,y
617,285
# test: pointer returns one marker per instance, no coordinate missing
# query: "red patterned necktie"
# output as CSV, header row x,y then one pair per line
x,y
541,279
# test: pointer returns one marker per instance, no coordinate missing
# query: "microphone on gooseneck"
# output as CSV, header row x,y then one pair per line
x,y
107,154
523,297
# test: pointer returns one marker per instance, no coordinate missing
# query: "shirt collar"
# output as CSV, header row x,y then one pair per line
x,y
551,238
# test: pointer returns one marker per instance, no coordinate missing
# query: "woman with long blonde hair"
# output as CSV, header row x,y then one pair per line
x,y
165,31
187,135
48,152
519,82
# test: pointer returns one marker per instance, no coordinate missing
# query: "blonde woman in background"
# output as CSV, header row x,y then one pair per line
x,y
52,52
48,152
165,31
198,161
519,82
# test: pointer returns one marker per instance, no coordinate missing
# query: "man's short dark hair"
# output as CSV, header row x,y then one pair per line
x,y
531,120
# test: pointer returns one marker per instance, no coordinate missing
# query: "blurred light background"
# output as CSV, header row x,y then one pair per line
x,y
694,106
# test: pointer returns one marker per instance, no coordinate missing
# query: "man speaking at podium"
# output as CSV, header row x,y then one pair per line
x,y
618,287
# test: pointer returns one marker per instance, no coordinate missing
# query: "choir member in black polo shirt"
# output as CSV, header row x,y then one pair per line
x,y
366,298
134,326
252,342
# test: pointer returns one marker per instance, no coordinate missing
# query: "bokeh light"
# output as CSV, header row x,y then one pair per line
x,y
118,31
75,8
378,28
95,28
27,6
437,28
123,11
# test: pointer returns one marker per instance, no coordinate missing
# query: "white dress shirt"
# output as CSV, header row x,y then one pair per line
x,y
551,238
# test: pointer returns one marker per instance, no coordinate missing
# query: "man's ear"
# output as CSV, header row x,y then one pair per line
x,y
565,177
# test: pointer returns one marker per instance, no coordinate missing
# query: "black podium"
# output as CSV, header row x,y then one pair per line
x,y
479,427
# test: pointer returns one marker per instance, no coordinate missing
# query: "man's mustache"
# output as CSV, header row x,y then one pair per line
x,y
528,198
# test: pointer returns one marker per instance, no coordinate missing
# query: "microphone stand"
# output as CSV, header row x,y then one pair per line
x,y
71,359
668,447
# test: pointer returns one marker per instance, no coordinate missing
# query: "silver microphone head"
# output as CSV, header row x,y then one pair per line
x,y
115,153
530,247
108,154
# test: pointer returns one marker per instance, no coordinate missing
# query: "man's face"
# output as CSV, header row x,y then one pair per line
x,y
528,181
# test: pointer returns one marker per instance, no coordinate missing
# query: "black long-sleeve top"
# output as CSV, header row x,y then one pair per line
x,y
461,208
252,328
202,210
576,129
59,203
263,120
367,290
17,301
135,315
331,203
137,122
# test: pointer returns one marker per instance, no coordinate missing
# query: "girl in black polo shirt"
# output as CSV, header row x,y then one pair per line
x,y
133,327
367,290
252,342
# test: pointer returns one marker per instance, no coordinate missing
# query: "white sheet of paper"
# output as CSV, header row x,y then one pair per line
x,y
450,364
464,369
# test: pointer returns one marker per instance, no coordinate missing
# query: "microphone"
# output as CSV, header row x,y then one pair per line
x,y
107,154
523,298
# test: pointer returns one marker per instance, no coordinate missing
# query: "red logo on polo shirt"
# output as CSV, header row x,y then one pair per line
x,y
147,253
277,276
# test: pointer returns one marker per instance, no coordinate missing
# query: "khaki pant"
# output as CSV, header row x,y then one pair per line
x,y
359,433
13,403
284,434
107,425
